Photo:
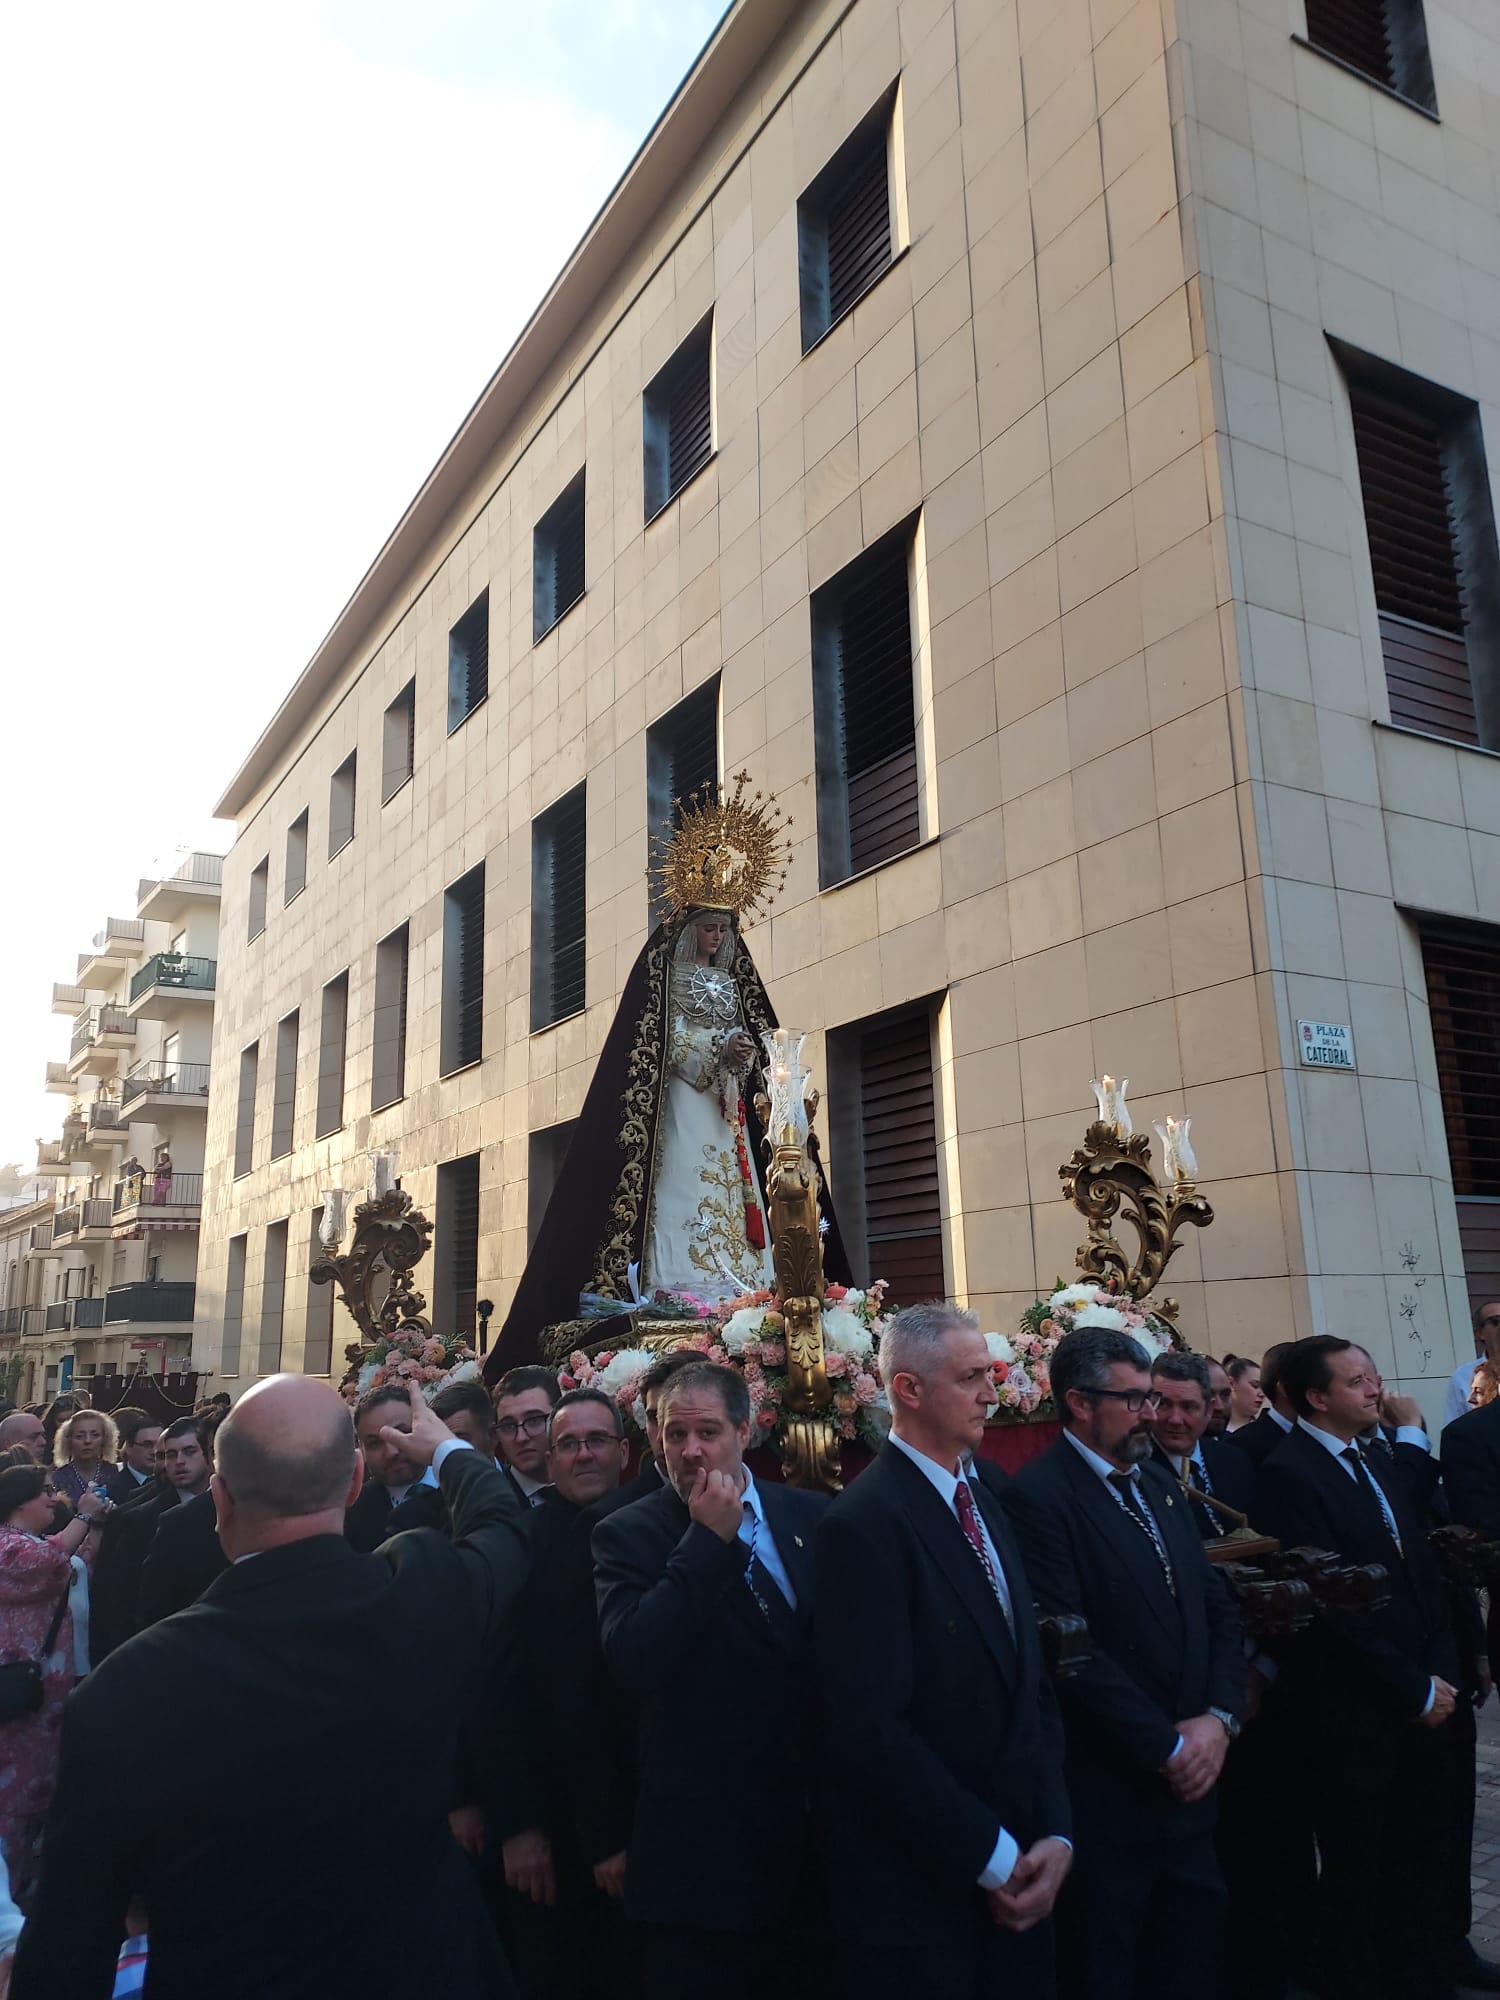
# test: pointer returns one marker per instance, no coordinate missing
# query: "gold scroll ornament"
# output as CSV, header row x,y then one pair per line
x,y
390,1239
810,1445
1108,1175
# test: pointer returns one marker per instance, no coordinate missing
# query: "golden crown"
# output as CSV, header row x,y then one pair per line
x,y
726,851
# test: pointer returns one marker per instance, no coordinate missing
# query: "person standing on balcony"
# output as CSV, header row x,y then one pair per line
x,y
161,1185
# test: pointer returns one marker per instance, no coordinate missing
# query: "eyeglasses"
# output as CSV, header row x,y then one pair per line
x,y
532,1425
1135,1400
597,1441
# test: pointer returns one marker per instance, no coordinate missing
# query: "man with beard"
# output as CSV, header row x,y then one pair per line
x,y
1105,1534
397,1493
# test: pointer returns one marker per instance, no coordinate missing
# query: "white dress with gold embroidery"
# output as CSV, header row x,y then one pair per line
x,y
695,1237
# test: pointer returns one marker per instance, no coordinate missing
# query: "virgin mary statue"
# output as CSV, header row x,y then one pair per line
x,y
661,1191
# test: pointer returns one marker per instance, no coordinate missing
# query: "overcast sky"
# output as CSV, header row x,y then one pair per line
x,y
258,262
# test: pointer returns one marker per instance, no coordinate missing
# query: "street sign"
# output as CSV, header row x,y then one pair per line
x,y
1325,1045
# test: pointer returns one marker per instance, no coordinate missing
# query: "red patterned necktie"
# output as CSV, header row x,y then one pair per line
x,y
968,1520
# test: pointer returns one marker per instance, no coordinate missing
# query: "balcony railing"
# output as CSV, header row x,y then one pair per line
x,y
49,1153
151,1188
58,1317
41,1236
205,868
88,1312
65,995
125,930
33,1321
57,1076
174,968
166,1080
106,1020
10,1319
161,1299
92,1214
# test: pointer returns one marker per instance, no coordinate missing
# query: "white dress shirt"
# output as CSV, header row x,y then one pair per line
x,y
1336,1447
1460,1382
755,1527
998,1870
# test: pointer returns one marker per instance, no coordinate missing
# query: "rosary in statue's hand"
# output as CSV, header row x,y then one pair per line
x,y
738,1051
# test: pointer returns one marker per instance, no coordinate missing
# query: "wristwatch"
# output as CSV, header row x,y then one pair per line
x,y
1231,1723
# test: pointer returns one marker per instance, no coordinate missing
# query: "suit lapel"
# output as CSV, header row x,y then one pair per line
x,y
1125,1540
944,1540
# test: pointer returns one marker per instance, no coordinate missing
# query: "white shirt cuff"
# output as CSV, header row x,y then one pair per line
x,y
447,1445
1426,1708
1001,1863
1413,1434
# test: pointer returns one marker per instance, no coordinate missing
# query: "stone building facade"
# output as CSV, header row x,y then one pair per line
x,y
1183,767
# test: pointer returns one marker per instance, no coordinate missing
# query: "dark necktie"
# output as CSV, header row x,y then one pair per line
x,y
1130,1499
968,1520
1372,1486
770,1600
1198,1472
1378,1441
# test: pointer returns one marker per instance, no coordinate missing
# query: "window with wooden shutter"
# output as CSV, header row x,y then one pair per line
x,y
341,791
463,972
284,1086
677,417
844,233
545,1152
296,859
234,1307
558,911
1406,485
903,1220
469,661
457,1260
317,1343
1462,962
864,713
398,749
1384,40
260,882
332,1047
388,1074
272,1299
682,756
557,559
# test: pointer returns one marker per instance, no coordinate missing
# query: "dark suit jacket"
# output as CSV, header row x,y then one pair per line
x,y
1370,1668
954,1720
114,1588
682,1631
1258,1439
1471,1469
1230,1477
1158,1657
123,1487
373,1520
340,1675
182,1561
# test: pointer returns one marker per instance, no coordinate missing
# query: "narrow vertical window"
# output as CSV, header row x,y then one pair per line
x,y
332,1048
864,712
682,756
272,1299
677,414
469,661
463,972
317,1346
398,743
457,1246
557,559
296,859
1384,40
844,229
234,1307
558,910
388,1074
341,806
244,1121
260,879
284,1086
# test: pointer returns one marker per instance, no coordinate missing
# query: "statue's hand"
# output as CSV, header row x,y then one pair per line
x,y
738,1052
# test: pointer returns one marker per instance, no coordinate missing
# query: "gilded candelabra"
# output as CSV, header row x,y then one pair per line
x,y
373,1275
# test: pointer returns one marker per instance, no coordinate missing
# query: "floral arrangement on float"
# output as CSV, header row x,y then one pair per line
x,y
1022,1363
408,1355
748,1334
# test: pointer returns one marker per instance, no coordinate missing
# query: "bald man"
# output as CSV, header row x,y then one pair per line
x,y
21,1427
323,1689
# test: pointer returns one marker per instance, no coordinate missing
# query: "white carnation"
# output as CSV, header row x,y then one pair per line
x,y
741,1328
845,1334
1152,1342
366,1376
852,1299
1100,1316
623,1371
1000,1348
1073,1295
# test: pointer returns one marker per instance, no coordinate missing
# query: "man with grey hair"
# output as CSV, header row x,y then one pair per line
x,y
319,1676
928,1654
1104,1534
1200,1463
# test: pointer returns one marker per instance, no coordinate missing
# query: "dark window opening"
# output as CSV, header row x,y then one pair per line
x,y
234,1307
272,1299
558,910
332,1046
388,1073
469,661
260,882
884,1135
545,1152
398,747
1463,995
682,756
296,859
341,806
317,1345
557,560
844,233
463,972
284,1087
456,1287
678,419
244,1122
1385,40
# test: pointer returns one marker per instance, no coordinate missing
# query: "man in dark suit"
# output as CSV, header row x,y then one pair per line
x,y
182,1561
524,1401
953,1816
1372,1692
650,1476
1260,1438
128,1534
559,1795
1148,1720
1471,1469
708,1586
136,1476
397,1494
1182,1447
312,1666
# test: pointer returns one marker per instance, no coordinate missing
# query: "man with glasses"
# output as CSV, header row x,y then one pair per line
x,y
559,1787
1105,1533
524,1402
1486,1319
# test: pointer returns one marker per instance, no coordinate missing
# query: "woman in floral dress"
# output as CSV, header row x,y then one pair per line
x,y
35,1569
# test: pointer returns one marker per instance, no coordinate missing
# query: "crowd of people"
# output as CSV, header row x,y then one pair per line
x,y
588,1733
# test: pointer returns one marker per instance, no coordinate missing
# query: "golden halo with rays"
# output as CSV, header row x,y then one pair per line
x,y
727,851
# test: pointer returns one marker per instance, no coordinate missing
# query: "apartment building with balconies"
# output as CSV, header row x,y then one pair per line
x,y
1051,445
128,1166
